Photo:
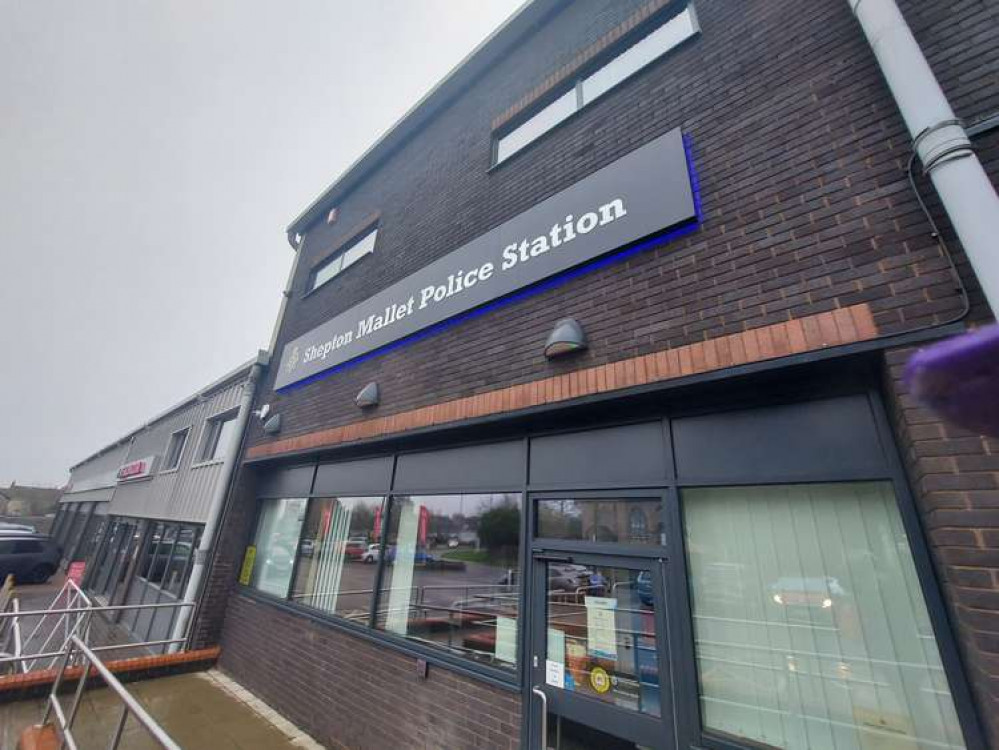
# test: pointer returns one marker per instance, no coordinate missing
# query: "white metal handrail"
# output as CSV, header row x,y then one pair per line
x,y
73,619
80,627
130,705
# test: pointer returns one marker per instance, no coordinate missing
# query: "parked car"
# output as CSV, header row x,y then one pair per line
x,y
371,553
32,558
568,577
26,528
354,549
420,556
643,585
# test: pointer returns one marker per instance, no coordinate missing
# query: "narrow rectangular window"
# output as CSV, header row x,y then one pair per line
x,y
276,541
581,92
451,574
338,556
343,259
810,625
175,449
217,436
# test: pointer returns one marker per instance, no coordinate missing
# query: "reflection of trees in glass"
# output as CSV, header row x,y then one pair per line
x,y
362,520
499,532
560,519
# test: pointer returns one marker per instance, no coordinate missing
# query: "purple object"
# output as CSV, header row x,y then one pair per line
x,y
959,379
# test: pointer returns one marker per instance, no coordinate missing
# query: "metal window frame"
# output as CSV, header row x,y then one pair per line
x,y
678,612
338,252
180,453
650,25
210,432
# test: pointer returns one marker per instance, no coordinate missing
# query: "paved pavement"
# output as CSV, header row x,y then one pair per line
x,y
200,711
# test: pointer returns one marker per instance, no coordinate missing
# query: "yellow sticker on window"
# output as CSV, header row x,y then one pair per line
x,y
247,570
600,680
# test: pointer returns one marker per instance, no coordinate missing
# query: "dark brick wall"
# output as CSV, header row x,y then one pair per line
x,y
348,692
223,572
955,477
801,154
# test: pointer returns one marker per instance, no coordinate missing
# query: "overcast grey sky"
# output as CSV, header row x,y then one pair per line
x,y
151,155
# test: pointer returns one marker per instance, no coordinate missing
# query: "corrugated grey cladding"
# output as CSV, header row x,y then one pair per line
x,y
184,494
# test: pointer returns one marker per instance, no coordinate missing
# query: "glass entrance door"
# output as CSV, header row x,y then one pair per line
x,y
599,666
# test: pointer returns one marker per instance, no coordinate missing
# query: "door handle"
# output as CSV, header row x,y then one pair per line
x,y
544,715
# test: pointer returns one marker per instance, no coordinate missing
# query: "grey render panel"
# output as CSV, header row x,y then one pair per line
x,y
371,476
835,436
295,481
616,455
183,494
490,466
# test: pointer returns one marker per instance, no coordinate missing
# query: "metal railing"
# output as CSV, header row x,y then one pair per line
x,y
70,622
61,624
130,706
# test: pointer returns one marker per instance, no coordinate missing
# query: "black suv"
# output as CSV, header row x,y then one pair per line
x,y
32,558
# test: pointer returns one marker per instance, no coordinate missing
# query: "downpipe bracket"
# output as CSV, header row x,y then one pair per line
x,y
942,142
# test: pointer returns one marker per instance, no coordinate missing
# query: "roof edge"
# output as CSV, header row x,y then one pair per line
x,y
262,358
473,65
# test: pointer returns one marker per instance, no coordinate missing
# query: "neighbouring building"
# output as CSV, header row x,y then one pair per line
x,y
134,514
585,424
21,501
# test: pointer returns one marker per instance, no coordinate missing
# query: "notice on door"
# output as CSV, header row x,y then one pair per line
x,y
601,627
555,673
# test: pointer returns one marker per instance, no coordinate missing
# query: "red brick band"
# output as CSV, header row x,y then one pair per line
x,y
834,328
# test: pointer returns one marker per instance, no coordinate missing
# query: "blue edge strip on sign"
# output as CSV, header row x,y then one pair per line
x,y
616,257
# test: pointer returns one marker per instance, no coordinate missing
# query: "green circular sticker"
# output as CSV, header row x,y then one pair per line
x,y
600,680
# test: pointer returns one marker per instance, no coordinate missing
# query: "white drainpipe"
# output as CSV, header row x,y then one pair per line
x,y
217,508
939,138
201,555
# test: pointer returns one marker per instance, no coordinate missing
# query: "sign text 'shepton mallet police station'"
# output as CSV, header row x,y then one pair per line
x,y
644,192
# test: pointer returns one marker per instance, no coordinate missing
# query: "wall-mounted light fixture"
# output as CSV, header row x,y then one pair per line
x,y
368,396
567,336
273,425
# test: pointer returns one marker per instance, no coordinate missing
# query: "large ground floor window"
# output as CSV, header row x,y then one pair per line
x,y
161,575
811,629
448,566
746,576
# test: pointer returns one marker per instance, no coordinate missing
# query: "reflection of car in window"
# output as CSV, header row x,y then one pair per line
x,y
371,553
420,556
568,577
806,592
643,585
162,555
354,549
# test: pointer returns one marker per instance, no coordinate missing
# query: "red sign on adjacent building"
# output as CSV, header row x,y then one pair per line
x,y
137,469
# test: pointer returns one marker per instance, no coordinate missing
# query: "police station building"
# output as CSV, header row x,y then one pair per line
x,y
584,425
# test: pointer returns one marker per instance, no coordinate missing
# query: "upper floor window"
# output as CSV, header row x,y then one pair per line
x,y
343,259
216,436
175,449
585,90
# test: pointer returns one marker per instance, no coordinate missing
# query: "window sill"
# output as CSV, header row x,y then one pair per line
x,y
174,470
497,678
210,462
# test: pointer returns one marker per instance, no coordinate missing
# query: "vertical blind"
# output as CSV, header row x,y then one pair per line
x,y
810,626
